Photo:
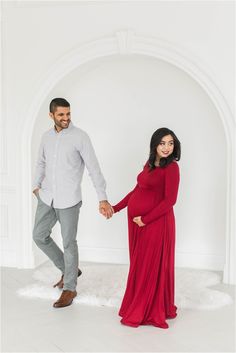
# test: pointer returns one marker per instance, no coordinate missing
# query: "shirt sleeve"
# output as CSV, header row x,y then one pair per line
x,y
171,191
124,202
89,157
40,167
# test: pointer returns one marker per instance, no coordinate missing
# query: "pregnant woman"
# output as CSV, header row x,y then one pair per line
x,y
149,295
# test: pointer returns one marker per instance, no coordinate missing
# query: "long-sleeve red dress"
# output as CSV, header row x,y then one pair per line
x,y
149,295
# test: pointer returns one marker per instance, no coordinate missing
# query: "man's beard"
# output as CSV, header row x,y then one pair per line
x,y
61,124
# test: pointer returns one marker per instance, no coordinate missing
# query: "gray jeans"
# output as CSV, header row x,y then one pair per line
x,y
45,219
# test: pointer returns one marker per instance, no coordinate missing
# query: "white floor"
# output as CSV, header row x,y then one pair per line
x,y
33,325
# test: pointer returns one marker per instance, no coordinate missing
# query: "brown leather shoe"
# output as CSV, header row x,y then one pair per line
x,y
65,299
60,284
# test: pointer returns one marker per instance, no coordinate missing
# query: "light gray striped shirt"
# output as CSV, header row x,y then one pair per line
x,y
60,167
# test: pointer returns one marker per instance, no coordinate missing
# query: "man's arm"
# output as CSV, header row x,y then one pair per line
x,y
39,170
89,157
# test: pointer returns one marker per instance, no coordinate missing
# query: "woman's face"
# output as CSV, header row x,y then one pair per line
x,y
165,147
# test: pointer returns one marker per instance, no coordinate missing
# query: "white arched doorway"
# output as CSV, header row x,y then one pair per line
x,y
125,43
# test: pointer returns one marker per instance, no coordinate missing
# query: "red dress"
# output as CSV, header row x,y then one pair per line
x,y
149,295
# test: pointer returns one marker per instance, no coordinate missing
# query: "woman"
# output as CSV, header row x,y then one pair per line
x,y
149,295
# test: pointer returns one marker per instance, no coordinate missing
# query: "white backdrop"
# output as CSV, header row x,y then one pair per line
x,y
123,92
120,102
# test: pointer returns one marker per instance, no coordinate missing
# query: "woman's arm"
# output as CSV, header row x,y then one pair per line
x,y
171,192
124,202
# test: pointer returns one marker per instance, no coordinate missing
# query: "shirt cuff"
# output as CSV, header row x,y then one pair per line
x,y
102,196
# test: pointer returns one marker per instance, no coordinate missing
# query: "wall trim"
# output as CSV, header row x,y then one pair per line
x,y
198,260
8,258
104,255
127,42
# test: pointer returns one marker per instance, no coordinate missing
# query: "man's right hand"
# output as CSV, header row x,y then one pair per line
x,y
106,209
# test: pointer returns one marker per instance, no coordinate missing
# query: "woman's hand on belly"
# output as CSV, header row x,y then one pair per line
x,y
138,221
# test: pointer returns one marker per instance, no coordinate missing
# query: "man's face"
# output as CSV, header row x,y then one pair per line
x,y
61,117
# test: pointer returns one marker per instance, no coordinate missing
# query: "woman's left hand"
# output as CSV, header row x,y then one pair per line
x,y
138,221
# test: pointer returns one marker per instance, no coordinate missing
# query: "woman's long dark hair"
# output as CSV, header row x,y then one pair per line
x,y
155,141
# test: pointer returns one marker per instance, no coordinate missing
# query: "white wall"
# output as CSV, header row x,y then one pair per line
x,y
35,35
120,102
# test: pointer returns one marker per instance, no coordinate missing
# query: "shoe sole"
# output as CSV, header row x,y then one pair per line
x,y
62,306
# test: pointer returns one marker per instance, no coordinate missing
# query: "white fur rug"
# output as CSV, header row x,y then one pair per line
x,y
105,284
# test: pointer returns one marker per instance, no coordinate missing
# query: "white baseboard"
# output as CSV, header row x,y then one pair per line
x,y
8,259
104,255
199,260
183,259
121,256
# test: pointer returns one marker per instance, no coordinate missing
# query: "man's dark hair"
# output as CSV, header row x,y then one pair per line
x,y
58,102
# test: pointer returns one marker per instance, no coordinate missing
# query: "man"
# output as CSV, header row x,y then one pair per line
x,y
63,153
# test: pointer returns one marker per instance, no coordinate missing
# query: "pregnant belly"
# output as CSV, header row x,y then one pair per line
x,y
141,202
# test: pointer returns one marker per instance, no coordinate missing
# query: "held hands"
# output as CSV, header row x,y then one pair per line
x,y
138,221
106,209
